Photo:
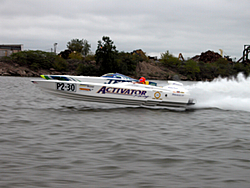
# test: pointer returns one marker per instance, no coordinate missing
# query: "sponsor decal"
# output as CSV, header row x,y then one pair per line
x,y
177,84
157,95
115,81
177,94
85,89
172,87
86,85
123,91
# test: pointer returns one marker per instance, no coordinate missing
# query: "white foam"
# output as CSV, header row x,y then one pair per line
x,y
226,94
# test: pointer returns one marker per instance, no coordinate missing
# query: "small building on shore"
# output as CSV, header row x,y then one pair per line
x,y
8,49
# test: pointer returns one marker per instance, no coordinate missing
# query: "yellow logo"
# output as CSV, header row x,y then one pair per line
x,y
157,95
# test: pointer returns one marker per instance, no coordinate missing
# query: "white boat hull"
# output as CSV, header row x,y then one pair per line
x,y
119,93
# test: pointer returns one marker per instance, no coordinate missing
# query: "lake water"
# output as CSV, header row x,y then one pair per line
x,y
52,142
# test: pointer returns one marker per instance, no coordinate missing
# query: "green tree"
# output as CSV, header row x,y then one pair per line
x,y
106,54
205,71
225,68
86,48
87,69
60,64
247,70
240,67
127,63
90,57
191,69
75,45
169,60
80,46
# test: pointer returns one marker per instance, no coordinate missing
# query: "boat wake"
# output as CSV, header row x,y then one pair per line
x,y
225,94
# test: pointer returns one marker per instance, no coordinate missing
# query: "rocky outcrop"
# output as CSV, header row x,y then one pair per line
x,y
207,57
13,69
154,71
9,69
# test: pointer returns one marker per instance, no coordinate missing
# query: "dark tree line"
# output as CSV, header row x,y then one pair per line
x,y
108,59
200,70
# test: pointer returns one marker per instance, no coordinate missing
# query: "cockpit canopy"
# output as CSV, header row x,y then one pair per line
x,y
117,75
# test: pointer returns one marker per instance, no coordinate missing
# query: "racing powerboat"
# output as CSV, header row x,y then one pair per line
x,y
116,88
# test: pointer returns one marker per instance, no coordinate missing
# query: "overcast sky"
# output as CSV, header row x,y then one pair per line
x,y
155,26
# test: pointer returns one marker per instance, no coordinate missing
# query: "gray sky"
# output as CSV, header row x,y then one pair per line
x,y
155,26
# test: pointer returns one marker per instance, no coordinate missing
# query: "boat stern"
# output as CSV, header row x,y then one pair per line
x,y
191,102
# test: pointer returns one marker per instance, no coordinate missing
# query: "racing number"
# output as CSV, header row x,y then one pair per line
x,y
60,86
70,87
65,87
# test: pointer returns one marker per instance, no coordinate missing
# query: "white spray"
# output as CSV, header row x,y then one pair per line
x,y
226,94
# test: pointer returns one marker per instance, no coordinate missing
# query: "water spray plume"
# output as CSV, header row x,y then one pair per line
x,y
223,93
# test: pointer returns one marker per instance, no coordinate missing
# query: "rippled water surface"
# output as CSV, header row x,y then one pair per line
x,y
52,142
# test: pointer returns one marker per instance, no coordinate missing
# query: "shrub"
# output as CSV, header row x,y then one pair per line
x,y
38,60
169,60
87,70
76,55
60,64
